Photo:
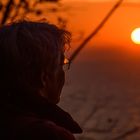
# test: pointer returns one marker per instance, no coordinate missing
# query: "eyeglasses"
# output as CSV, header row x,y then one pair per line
x,y
66,64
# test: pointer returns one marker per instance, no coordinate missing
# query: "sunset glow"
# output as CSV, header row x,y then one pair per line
x,y
135,36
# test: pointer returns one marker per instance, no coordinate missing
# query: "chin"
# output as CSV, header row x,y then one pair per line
x,y
57,101
54,100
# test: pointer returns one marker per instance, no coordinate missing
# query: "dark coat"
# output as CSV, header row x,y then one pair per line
x,y
22,120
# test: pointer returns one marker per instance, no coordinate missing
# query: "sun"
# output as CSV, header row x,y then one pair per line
x,y
135,36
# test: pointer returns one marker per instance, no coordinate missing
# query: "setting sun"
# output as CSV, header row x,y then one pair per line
x,y
135,36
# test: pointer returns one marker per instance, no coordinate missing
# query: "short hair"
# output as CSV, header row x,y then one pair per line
x,y
26,50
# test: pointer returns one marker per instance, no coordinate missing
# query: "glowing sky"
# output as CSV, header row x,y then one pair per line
x,y
132,1
84,17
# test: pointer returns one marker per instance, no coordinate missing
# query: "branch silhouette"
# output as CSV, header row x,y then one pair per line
x,y
7,11
12,9
97,29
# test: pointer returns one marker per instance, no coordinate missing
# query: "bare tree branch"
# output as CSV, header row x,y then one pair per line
x,y
97,29
6,12
17,8
127,133
12,9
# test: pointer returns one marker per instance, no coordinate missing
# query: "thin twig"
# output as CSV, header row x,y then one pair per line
x,y
127,133
17,8
97,29
7,11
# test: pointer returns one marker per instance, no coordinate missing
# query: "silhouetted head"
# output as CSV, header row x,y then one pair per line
x,y
31,59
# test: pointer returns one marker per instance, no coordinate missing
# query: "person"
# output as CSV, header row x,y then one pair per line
x,y
31,80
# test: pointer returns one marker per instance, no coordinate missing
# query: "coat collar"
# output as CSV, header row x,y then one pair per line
x,y
42,108
60,117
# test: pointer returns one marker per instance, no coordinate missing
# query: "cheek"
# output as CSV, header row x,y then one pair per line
x,y
60,79
55,90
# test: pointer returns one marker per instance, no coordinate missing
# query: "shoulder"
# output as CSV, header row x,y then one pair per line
x,y
33,128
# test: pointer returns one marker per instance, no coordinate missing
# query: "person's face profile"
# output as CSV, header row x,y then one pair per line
x,y
54,82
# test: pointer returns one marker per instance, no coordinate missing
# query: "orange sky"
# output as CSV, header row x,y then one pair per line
x,y
85,16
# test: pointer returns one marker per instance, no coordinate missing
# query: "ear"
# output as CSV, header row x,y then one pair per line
x,y
44,79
